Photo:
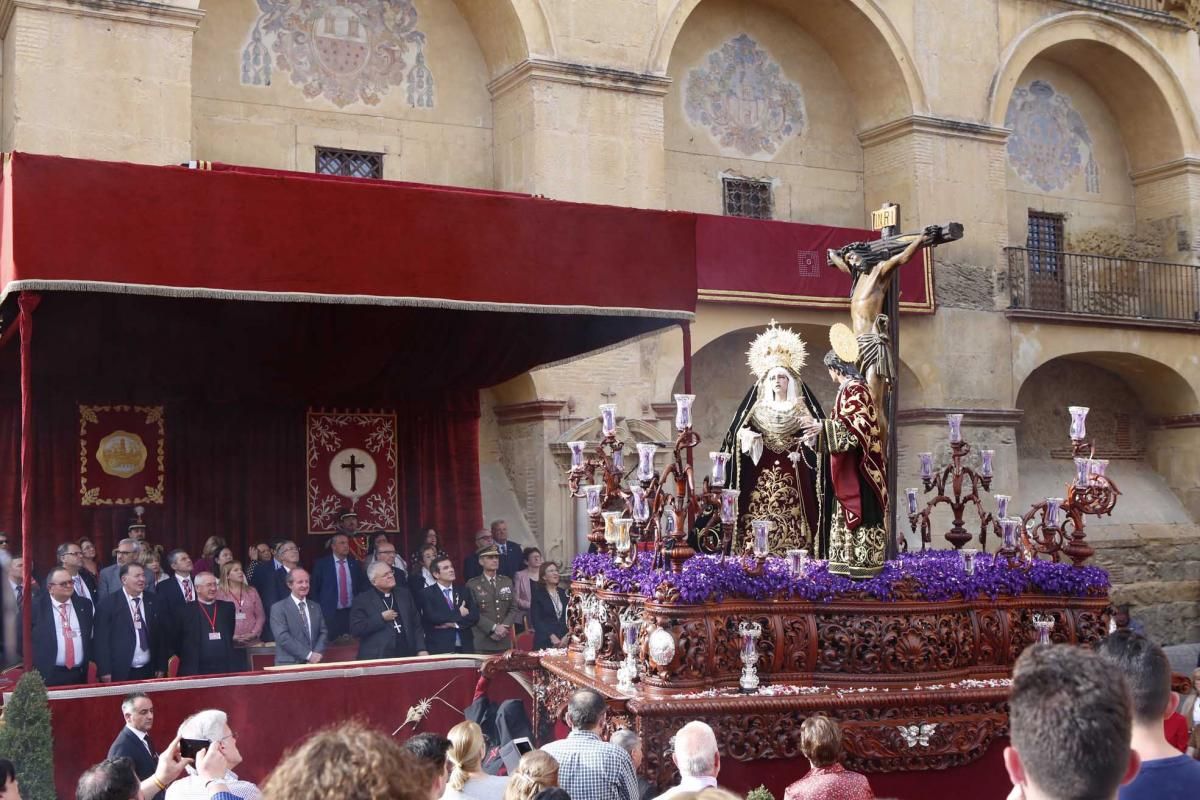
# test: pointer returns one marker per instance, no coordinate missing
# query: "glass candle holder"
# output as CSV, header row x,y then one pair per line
x,y
639,505
967,556
1082,472
985,462
1008,531
911,494
1053,504
668,526
591,495
760,528
618,459
797,562
610,528
683,411
576,453
1097,468
1078,421
623,525
729,505
720,468
608,418
1002,501
926,465
631,635
646,451
955,422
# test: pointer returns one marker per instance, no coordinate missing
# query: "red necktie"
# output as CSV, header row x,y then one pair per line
x,y
343,585
68,637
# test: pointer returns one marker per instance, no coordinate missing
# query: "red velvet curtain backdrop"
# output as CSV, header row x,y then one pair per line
x,y
235,380
238,471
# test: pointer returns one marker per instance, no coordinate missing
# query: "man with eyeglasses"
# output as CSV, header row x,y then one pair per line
x,y
271,580
62,632
70,558
110,577
384,618
212,725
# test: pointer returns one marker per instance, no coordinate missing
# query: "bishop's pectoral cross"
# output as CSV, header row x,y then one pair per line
x,y
354,467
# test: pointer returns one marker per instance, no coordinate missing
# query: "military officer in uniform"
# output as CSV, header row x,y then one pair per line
x,y
497,602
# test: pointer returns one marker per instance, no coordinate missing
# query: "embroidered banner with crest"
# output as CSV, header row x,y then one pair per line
x,y
352,465
122,451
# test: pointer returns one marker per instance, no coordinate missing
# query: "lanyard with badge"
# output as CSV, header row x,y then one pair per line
x,y
214,635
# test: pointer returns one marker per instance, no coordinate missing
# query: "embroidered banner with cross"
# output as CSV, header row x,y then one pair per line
x,y
352,465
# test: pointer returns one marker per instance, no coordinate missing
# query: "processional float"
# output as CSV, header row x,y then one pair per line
x,y
671,621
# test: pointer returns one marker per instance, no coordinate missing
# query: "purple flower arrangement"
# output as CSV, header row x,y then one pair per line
x,y
932,575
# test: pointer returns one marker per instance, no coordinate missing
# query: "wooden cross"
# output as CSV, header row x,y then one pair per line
x,y
354,467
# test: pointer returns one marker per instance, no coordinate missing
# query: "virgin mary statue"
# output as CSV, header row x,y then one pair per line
x,y
780,478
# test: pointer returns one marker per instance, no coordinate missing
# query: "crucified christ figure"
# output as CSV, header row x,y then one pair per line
x,y
871,271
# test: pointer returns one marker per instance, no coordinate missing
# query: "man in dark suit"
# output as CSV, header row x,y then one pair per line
x,y
512,555
131,638
336,579
133,742
449,612
110,576
270,579
300,633
62,631
178,589
70,558
384,619
386,553
206,631
471,567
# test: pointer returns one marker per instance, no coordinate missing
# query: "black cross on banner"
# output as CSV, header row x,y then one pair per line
x,y
354,467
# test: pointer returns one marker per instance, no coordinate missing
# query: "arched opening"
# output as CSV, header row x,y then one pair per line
x,y
1126,394
1092,106
769,93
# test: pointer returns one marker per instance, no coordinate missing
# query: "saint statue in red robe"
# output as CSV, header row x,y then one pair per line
x,y
851,437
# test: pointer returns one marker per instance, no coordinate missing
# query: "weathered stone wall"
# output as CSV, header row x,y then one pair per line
x,y
1160,579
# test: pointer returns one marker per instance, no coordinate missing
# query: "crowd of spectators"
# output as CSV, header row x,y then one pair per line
x,y
148,614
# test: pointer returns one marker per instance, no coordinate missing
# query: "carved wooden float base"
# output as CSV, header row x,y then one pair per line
x,y
885,729
843,642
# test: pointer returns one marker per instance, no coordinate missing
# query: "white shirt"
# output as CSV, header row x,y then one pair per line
x,y
141,737
481,787
60,660
140,657
81,587
192,788
184,583
305,617
1196,713
688,783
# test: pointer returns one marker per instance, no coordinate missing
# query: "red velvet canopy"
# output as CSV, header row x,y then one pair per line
x,y
236,298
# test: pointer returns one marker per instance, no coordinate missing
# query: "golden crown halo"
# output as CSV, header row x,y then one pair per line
x,y
776,347
844,343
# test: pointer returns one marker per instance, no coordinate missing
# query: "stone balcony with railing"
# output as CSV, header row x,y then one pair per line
x,y
1085,286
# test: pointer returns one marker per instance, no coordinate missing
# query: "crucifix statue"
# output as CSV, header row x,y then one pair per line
x,y
354,467
874,313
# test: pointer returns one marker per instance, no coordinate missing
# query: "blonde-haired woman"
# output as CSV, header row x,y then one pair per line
x,y
537,771
249,616
467,780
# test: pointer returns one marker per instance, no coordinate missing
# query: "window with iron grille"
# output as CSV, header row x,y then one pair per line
x,y
748,198
350,163
1045,242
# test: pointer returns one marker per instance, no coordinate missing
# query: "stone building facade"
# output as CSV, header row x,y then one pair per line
x,y
1047,127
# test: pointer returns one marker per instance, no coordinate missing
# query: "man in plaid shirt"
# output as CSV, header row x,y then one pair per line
x,y
590,768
